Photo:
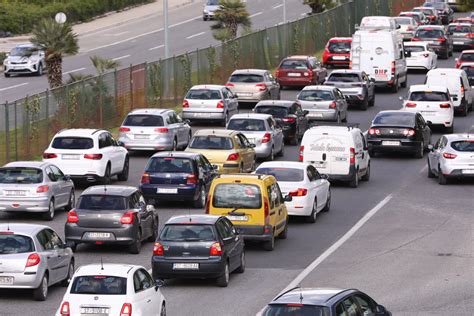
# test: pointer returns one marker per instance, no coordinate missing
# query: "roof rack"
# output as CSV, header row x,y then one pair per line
x,y
348,125
97,130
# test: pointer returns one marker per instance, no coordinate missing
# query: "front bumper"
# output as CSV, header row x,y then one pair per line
x,y
119,235
20,68
39,204
184,193
162,268
196,115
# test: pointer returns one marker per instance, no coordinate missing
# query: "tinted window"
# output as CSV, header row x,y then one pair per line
x,y
233,195
99,284
170,165
204,94
339,47
315,95
246,125
414,49
305,310
463,145
283,174
102,202
212,2
428,33
142,281
344,77
398,119
21,175
365,304
246,78
211,142
467,57
350,306
143,120
429,96
11,243
72,143
294,64
276,111
459,29
183,232
23,51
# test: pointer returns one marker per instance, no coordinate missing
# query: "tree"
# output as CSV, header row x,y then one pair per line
x,y
101,65
318,6
57,40
230,15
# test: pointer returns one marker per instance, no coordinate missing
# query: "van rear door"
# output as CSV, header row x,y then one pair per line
x,y
329,153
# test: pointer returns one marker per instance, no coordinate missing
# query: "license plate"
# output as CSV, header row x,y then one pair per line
x,y
70,157
238,218
339,57
94,310
142,136
468,171
244,94
185,266
390,143
294,74
15,193
4,280
318,115
458,43
99,235
167,191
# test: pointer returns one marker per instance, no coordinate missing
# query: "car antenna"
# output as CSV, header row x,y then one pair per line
x,y
301,294
101,264
8,225
189,214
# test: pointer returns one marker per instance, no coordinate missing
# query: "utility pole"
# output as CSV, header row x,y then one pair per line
x,y
165,14
284,11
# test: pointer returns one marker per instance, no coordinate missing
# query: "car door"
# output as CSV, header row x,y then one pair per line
x,y
302,120
275,87
64,187
53,261
280,208
63,255
206,172
228,241
424,129
435,154
108,152
318,185
54,187
145,296
370,85
238,242
341,102
277,134
247,153
137,202
362,154
173,127
233,103
468,91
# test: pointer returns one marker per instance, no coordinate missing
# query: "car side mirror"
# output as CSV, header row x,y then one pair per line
x,y
325,177
429,122
305,112
252,145
346,97
236,95
119,143
159,283
288,198
430,147
381,310
407,53
67,177
186,121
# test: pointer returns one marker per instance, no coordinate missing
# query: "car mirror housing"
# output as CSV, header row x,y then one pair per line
x,y
159,283
288,198
430,147
150,207
67,177
252,146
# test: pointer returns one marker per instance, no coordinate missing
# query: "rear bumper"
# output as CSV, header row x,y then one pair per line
x,y
120,235
255,233
322,115
457,173
405,146
27,205
162,143
331,61
299,206
263,150
30,280
289,132
295,81
417,65
185,193
162,268
196,115
343,177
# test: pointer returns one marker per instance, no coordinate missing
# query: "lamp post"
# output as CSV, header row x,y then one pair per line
x,y
165,15
284,11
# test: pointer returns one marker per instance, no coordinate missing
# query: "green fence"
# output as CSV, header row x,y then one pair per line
x,y
103,101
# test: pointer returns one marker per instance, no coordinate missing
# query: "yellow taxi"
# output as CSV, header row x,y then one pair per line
x,y
228,151
253,203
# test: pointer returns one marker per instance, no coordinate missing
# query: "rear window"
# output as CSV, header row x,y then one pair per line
x,y
21,175
463,145
246,78
339,47
276,111
211,142
339,77
428,33
428,96
102,202
203,94
237,195
315,95
459,29
397,119
467,57
99,285
414,49
72,143
294,64
143,120
184,232
246,125
11,244
170,165
296,310
283,174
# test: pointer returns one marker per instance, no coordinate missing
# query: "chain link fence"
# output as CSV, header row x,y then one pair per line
x,y
103,101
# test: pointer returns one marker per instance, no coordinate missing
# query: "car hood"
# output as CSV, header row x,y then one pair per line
x,y
211,8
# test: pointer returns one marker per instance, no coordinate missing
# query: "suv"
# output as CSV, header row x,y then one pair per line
x,y
463,35
253,203
90,154
300,71
24,58
439,39
337,52
356,85
323,103
210,9
253,85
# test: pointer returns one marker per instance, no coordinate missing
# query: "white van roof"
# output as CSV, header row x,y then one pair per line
x,y
426,87
338,129
444,72
378,22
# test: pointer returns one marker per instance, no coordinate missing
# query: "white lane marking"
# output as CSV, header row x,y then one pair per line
x,y
74,70
121,57
424,169
195,35
256,14
277,6
15,86
156,47
116,34
186,21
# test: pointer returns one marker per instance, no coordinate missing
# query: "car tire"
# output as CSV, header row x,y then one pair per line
x,y
163,310
441,177
284,233
282,151
201,200
430,172
123,176
223,280
366,176
137,244
39,72
41,292
241,268
71,202
420,151
464,108
70,274
106,178
354,183
364,104
372,101
269,245
154,228
449,130
73,245
49,214
327,207
7,75
395,86
404,83
271,157
312,217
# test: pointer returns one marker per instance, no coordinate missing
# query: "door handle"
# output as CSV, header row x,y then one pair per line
x,y
148,301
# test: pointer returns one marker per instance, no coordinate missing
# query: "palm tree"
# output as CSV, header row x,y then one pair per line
x,y
101,65
57,40
318,6
230,15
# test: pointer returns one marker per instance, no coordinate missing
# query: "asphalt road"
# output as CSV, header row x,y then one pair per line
x,y
393,251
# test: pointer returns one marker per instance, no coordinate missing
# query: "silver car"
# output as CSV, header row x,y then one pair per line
x,y
261,130
461,33
210,102
451,157
35,186
24,59
154,129
209,9
254,85
33,257
323,103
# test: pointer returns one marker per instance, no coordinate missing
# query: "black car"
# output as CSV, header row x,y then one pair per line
x,y
112,214
198,246
440,41
324,302
289,115
398,131
177,176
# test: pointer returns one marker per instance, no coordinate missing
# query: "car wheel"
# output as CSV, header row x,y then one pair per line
x,y
270,244
327,207
163,310
137,244
241,268
365,104
7,75
49,214
354,183
223,280
284,233
271,157
106,177
372,101
41,292
395,86
282,151
366,176
39,72
312,217
420,151
73,245
154,228
71,202
70,274
404,83
201,200
430,172
464,108
123,176
441,177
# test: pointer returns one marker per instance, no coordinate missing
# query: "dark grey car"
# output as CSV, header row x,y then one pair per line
x,y
462,34
112,215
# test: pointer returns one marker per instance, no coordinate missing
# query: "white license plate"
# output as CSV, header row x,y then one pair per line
x,y
318,115
99,235
390,143
238,218
142,136
339,57
71,157
185,266
294,74
244,94
4,280
15,193
458,43
468,171
94,310
167,191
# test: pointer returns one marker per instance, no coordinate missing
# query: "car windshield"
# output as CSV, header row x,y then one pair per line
x,y
276,111
403,21
182,232
23,51
341,77
429,33
414,49
212,2
246,78
283,174
99,285
294,64
11,243
295,310
315,95
102,202
170,165
397,119
467,57
143,120
237,195
246,125
211,142
459,29
20,175
339,47
203,94
429,96
72,143
463,145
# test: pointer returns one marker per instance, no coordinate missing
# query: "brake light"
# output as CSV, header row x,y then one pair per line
x,y
277,73
220,104
445,105
42,189
93,156
127,218
216,249
33,260
352,156
192,179
458,63
299,192
126,310
374,131
441,39
266,209
426,55
415,39
185,104
158,249
310,73
332,105
393,68
49,156
410,105
161,130
72,216
229,84
233,157
261,86
470,35
65,310
208,203
289,120
300,158
449,155
266,138
124,129
408,132
145,179
462,89
350,64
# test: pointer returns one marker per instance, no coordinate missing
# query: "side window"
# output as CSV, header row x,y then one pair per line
x,y
276,194
340,311
366,305
270,76
438,143
43,239
133,201
270,123
109,140
57,173
142,281
222,230
229,227
244,141
270,199
54,239
225,93
299,109
229,93
207,165
136,282
313,174
351,307
141,199
292,109
51,174
103,140
239,140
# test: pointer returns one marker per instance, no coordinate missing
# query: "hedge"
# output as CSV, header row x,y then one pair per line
x,y
20,17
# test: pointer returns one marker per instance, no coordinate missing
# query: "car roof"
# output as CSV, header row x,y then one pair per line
x,y
193,218
468,51
451,71
460,23
149,111
397,112
346,71
411,12
311,296
27,45
207,86
320,87
342,39
249,71
459,136
259,116
28,164
79,132
283,164
22,228
434,27
298,57
216,132
424,87
111,269
176,154
121,190
325,127
282,103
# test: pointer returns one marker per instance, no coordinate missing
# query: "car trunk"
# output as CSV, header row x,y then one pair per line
x,y
99,218
247,89
329,153
391,131
204,105
464,159
214,156
13,263
18,190
186,249
346,87
144,133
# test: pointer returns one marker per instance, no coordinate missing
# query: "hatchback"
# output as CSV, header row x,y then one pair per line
x,y
419,17
337,52
210,9
323,103
469,69
421,55
463,35
439,39
198,246
253,85
467,56
300,71
430,13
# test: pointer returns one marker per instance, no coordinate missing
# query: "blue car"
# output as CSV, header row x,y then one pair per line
x,y
177,176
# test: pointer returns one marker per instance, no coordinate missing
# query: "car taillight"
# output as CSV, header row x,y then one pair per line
x,y
261,86
410,105
158,249
352,159
310,73
462,89
42,189
220,104
208,203
289,119
33,260
332,105
415,39
393,68
161,130
192,179
72,216
93,156
300,158
445,105
299,192
449,155
469,35
49,156
426,55
441,39
65,310
185,104
350,64
266,209
126,310
145,179
233,157
229,84
374,131
408,132
277,73
128,218
266,138
124,129
216,249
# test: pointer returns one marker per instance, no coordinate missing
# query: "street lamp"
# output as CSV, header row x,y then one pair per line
x,y
60,18
284,11
165,14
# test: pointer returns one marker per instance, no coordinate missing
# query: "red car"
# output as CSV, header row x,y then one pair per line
x,y
337,52
300,71
467,56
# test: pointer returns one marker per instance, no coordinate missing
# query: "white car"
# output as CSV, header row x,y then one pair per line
x,y
311,192
90,154
407,25
112,289
421,56
433,103
24,59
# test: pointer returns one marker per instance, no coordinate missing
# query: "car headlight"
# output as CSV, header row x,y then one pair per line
x,y
205,11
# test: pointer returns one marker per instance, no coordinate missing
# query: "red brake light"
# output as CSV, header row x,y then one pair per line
x,y
185,104
470,35
408,132
332,105
266,138
161,130
300,158
128,218
126,310
145,178
441,39
289,120
124,129
33,260
426,55
261,86
462,89
65,310
158,249
277,73
72,216
220,104
233,157
216,249
449,155
374,131
192,179
445,105
42,189
299,192
410,105
393,68
229,84
93,156
352,156
49,156
415,39
266,209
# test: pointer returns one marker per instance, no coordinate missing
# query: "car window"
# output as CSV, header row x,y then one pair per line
x,y
43,239
350,307
246,78
270,123
20,175
428,96
211,142
294,64
229,93
225,93
339,47
143,120
414,49
463,145
54,239
103,140
99,285
50,174
244,140
142,281
366,305
204,94
229,227
246,124
72,143
313,174
429,33
283,173
467,57
270,199
183,232
315,95
340,311
399,118
237,195
344,77
133,202
170,165
275,111
240,141
12,243
101,202
275,195
296,310
57,173
223,230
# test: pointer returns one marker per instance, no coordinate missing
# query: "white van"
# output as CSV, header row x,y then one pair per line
x,y
381,54
457,82
378,22
339,151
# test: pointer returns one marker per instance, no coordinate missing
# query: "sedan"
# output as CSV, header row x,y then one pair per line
x,y
33,257
35,186
439,39
253,85
198,246
420,56
398,131
310,191
323,103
